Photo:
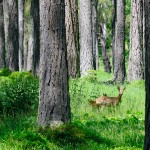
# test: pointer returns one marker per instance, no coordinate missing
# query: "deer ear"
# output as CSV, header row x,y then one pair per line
x,y
124,88
118,87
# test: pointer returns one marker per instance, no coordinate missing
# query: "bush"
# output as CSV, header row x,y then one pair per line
x,y
5,72
19,93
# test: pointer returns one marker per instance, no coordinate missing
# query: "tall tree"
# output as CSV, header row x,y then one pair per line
x,y
54,101
21,31
2,37
94,34
86,42
72,37
119,47
135,68
33,45
147,74
12,37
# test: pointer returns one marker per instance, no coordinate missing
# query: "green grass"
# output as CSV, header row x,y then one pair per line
x,y
120,128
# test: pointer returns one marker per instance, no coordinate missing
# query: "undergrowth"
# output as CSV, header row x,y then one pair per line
x,y
119,128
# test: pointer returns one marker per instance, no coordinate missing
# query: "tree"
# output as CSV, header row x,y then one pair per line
x,y
2,37
33,45
147,74
21,31
11,9
94,34
72,37
119,47
54,101
135,67
86,43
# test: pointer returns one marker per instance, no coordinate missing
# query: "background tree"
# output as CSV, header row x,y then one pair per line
x,y
12,31
95,34
86,42
72,37
54,101
2,37
21,32
104,30
147,74
33,44
135,67
119,47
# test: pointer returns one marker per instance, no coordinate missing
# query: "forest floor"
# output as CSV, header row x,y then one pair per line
x,y
113,128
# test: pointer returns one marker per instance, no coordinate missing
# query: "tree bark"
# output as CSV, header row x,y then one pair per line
x,y
12,38
135,67
33,44
86,42
94,34
106,62
21,32
2,37
54,101
147,74
72,37
119,66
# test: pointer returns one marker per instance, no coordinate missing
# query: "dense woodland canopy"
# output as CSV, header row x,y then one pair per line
x,y
66,39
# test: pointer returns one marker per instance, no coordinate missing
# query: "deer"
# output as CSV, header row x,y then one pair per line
x,y
108,101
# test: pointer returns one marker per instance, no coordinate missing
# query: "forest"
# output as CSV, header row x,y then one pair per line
x,y
74,75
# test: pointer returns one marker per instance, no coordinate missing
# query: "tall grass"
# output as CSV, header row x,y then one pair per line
x,y
119,128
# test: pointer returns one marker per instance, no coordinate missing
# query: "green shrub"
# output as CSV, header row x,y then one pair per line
x,y
19,93
5,72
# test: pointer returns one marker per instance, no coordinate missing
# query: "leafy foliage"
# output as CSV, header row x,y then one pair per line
x,y
18,93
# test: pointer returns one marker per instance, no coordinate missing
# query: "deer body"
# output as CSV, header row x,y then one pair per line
x,y
110,101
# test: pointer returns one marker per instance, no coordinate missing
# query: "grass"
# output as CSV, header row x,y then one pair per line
x,y
120,128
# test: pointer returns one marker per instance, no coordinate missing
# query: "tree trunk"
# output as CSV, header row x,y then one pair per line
x,y
106,62
147,74
113,32
86,42
2,37
135,68
33,44
12,38
119,66
21,32
72,37
94,34
54,101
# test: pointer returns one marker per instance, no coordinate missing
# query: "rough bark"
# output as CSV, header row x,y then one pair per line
x,y
86,43
2,37
12,37
147,74
54,101
33,44
119,66
105,57
113,32
21,32
135,67
72,37
94,34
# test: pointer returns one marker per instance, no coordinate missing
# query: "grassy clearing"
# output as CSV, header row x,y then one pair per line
x,y
120,128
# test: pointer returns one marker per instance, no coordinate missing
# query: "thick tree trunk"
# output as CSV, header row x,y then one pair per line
x,y
2,37
135,68
147,74
94,34
106,62
119,66
54,101
33,44
12,38
72,37
86,42
21,32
